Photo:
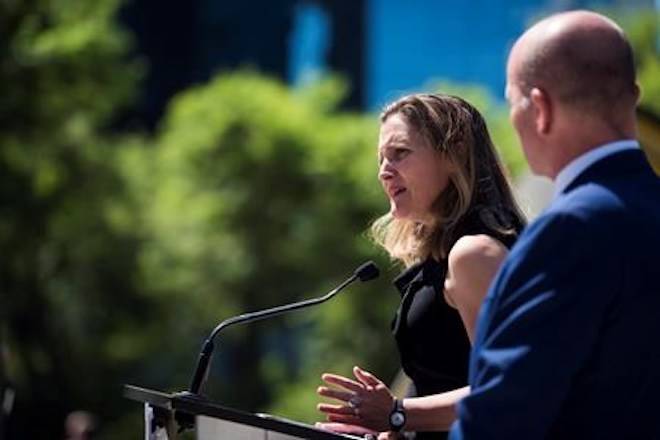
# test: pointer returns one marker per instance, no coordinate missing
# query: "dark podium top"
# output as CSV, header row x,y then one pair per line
x,y
195,406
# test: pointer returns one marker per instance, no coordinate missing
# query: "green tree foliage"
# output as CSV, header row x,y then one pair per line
x,y
643,29
66,276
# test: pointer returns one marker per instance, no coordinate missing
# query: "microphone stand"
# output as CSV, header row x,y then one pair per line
x,y
208,346
365,272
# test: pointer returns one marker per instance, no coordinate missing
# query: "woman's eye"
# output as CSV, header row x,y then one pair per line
x,y
400,153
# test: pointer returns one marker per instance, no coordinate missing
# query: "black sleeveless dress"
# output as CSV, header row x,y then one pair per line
x,y
432,341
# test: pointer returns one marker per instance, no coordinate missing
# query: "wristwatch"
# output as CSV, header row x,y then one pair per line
x,y
397,416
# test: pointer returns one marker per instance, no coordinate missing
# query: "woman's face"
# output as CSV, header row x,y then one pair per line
x,y
412,173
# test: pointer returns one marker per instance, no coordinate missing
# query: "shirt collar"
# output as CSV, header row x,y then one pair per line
x,y
581,163
429,271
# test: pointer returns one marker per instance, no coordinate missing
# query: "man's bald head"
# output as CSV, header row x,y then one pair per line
x,y
581,58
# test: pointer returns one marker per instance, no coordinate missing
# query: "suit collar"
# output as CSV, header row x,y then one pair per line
x,y
621,163
577,166
428,271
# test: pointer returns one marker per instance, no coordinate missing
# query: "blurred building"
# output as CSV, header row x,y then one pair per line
x,y
412,42
383,47
186,43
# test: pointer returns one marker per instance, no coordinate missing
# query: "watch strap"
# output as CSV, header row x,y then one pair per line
x,y
397,417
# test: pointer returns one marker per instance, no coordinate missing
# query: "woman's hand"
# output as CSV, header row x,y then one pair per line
x,y
360,431
366,402
344,428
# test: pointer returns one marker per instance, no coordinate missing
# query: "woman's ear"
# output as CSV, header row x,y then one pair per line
x,y
542,110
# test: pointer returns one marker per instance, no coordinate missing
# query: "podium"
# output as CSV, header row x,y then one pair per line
x,y
164,413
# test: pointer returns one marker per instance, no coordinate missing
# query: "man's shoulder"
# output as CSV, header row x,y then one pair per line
x,y
596,212
586,215
609,199
610,184
591,198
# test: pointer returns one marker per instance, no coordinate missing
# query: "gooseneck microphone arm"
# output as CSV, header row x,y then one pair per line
x,y
365,272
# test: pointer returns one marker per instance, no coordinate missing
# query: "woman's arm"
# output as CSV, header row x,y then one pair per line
x,y
433,413
473,262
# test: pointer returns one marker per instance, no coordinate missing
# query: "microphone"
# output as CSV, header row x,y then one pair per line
x,y
366,272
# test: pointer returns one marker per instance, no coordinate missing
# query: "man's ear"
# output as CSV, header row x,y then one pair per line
x,y
542,110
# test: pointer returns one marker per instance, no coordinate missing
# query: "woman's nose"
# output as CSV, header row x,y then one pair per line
x,y
386,170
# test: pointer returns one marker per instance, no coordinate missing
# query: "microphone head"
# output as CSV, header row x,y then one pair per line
x,y
368,271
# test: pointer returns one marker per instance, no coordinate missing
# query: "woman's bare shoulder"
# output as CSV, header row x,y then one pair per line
x,y
473,262
471,250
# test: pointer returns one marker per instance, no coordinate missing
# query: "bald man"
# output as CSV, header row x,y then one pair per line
x,y
568,338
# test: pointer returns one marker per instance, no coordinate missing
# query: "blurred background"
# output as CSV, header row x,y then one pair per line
x,y
165,165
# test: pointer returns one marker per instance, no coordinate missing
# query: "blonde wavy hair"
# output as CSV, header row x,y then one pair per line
x,y
478,186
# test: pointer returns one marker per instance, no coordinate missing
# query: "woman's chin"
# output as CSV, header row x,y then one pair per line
x,y
398,213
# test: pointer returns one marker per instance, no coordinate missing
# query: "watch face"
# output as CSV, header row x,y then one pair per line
x,y
397,419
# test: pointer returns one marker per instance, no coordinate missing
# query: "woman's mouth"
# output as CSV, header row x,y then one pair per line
x,y
395,192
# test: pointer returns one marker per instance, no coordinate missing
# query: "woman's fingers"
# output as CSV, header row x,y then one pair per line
x,y
366,378
335,409
344,418
334,393
344,428
343,382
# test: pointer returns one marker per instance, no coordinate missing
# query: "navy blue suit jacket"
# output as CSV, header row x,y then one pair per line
x,y
568,337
